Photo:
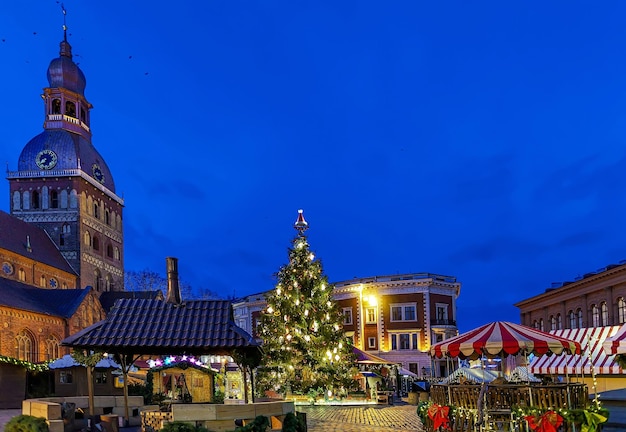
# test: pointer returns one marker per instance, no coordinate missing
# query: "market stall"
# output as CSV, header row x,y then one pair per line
x,y
501,405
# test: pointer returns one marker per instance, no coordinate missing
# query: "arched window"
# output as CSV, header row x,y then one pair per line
x,y
559,322
56,106
52,348
536,324
595,316
553,322
579,318
26,200
109,283
67,229
17,201
541,326
70,109
621,310
83,117
25,345
604,314
572,319
87,238
97,280
107,217
73,199
34,202
64,198
96,243
116,253
54,199
45,197
21,275
96,210
109,251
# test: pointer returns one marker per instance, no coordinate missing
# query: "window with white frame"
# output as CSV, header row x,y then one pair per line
x,y
441,311
403,312
347,315
371,342
404,341
595,316
604,314
572,319
621,310
370,315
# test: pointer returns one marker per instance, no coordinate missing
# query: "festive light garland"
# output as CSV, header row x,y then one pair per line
x,y
35,367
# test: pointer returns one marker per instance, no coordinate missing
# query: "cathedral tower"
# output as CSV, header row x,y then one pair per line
x,y
63,185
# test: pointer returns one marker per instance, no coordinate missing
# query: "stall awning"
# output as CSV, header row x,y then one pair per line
x,y
369,374
593,355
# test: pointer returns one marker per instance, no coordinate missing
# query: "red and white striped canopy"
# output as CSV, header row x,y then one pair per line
x,y
500,339
616,344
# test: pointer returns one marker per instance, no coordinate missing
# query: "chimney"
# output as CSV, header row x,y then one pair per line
x,y
173,290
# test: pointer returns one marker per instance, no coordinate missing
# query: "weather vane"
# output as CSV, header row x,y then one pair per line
x,y
301,225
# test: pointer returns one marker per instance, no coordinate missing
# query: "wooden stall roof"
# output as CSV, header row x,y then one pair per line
x,y
154,327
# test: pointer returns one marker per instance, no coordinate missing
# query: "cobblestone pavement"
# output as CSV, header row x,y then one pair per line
x,y
366,418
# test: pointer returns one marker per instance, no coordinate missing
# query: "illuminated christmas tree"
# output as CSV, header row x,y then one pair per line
x,y
304,346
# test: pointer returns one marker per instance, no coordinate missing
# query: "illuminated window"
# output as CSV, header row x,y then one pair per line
x,y
559,322
370,315
552,322
572,319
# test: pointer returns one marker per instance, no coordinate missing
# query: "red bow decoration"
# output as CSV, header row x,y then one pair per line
x,y
439,415
548,422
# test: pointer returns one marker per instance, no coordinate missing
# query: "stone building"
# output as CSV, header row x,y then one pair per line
x,y
64,186
595,299
63,235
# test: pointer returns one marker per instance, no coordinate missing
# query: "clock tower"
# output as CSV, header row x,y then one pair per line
x,y
64,186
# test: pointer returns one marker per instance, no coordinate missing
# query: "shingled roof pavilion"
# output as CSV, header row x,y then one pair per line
x,y
155,327
151,326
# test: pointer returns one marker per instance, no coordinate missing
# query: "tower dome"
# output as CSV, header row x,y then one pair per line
x,y
64,73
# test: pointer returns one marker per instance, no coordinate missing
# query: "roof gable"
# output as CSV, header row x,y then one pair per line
x,y
62,303
13,237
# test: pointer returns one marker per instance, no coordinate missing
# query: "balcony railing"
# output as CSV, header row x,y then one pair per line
x,y
442,322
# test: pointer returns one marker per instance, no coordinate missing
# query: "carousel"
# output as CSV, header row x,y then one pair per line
x,y
508,403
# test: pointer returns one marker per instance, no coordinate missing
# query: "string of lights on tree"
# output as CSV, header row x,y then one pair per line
x,y
303,343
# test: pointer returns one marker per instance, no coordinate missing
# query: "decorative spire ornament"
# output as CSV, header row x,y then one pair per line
x,y
301,225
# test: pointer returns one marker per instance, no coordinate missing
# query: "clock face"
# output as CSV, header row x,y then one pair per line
x,y
97,173
53,283
7,268
46,159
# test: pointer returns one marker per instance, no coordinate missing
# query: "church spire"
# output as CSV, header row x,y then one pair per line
x,y
66,48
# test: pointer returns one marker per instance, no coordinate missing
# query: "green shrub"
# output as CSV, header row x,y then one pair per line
x,y
179,426
26,423
260,424
293,423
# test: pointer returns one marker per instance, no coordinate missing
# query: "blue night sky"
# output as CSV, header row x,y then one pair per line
x,y
482,140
